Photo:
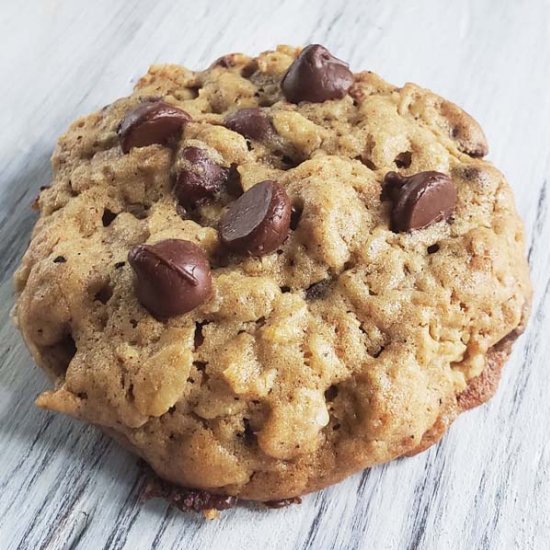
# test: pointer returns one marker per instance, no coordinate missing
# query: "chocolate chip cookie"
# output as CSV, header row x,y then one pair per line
x,y
264,276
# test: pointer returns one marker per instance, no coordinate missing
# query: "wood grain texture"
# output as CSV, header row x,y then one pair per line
x,y
487,484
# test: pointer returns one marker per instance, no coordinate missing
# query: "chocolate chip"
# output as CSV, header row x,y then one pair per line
x,y
196,500
469,173
403,160
318,290
59,260
252,123
258,221
419,200
198,338
108,217
199,177
151,122
172,277
249,69
316,76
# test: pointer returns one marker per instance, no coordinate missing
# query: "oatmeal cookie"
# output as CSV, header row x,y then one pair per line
x,y
264,276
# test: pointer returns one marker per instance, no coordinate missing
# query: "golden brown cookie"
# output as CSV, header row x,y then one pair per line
x,y
267,275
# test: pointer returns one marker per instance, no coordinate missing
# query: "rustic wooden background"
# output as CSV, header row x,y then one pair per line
x,y
487,485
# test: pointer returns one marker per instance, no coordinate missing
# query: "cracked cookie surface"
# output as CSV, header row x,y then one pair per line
x,y
348,345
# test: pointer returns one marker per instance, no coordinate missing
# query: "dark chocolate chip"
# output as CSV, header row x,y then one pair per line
x,y
419,200
198,338
59,260
172,277
316,76
249,69
258,221
199,177
108,217
252,123
403,160
118,265
469,173
151,122
318,290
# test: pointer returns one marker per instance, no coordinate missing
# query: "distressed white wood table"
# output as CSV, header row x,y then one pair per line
x,y
487,484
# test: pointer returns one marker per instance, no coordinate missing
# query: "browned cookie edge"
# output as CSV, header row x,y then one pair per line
x,y
479,390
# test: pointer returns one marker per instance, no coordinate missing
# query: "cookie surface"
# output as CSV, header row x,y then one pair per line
x,y
340,325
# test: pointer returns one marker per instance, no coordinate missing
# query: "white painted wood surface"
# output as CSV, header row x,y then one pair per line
x,y
487,485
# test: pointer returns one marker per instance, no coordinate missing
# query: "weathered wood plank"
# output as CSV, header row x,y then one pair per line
x,y
64,485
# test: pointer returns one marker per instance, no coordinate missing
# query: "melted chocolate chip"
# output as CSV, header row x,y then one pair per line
x,y
172,277
316,76
283,503
151,122
199,178
252,123
258,221
196,500
419,200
